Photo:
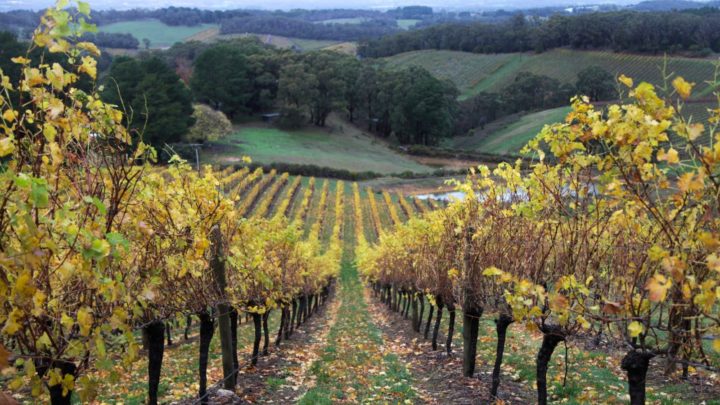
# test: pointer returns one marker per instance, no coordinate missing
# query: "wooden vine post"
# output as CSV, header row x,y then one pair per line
x,y
217,264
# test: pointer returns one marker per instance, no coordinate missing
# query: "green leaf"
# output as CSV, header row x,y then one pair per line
x,y
87,27
98,249
39,194
83,8
117,239
23,180
97,203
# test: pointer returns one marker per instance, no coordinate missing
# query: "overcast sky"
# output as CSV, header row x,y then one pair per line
x,y
289,4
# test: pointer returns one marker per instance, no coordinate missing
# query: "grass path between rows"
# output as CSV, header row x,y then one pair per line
x,y
354,366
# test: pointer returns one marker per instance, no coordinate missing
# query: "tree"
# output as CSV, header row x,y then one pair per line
x,y
423,107
596,83
297,85
530,91
329,88
210,125
158,105
221,79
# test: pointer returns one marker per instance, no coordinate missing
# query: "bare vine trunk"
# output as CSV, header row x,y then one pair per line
x,y
42,366
156,347
451,327
501,325
257,321
278,339
429,321
636,366
266,332
207,328
438,319
471,324
552,336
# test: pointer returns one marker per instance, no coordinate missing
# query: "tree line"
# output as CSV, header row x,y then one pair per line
x,y
529,92
112,40
689,32
410,105
291,27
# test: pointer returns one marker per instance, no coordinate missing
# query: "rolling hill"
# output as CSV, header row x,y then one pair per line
x,y
160,34
339,146
473,73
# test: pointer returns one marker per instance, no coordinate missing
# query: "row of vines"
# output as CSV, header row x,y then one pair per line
x,y
610,235
100,249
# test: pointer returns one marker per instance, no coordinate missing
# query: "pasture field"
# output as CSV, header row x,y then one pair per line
x,y
473,73
407,23
277,41
507,137
338,150
354,20
160,34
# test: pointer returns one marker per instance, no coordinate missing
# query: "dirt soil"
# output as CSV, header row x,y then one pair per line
x,y
438,377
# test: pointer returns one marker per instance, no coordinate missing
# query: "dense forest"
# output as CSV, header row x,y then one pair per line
x,y
692,31
410,105
301,23
112,40
290,27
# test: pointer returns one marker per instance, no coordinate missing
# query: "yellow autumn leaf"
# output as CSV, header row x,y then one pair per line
x,y
11,324
7,146
66,321
657,287
625,80
682,87
688,182
85,320
492,271
716,345
89,66
90,47
9,115
635,328
713,262
20,60
694,131
671,156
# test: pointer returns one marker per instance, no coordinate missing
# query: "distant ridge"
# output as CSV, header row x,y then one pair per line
x,y
668,5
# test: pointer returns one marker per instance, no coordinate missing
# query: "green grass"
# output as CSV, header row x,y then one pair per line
x,y
466,70
509,139
354,20
564,65
312,44
492,72
160,34
407,23
352,368
338,150
280,41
